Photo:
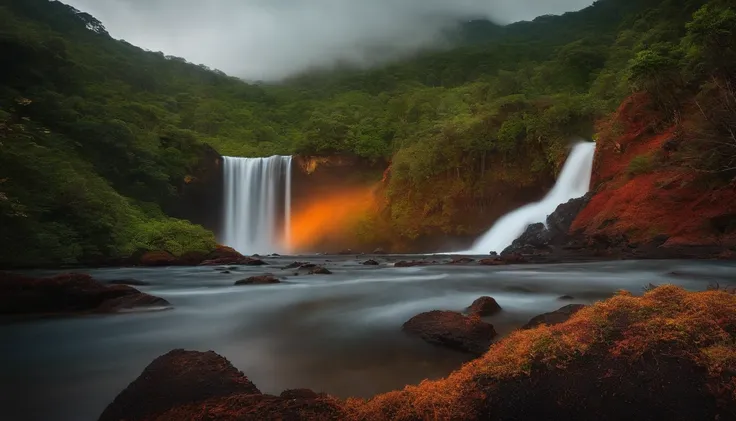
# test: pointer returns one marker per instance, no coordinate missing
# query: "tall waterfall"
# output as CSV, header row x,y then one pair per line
x,y
257,209
574,182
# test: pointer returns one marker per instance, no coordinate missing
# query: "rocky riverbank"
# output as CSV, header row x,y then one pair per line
x,y
666,355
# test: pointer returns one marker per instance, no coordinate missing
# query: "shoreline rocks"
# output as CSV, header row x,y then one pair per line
x,y
191,385
68,294
452,330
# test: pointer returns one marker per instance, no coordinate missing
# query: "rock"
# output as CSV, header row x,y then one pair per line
x,y
452,330
294,265
405,264
379,251
275,255
68,294
319,270
247,261
131,282
493,253
158,258
566,298
192,258
256,255
554,317
541,237
513,258
371,263
308,266
299,394
225,272
259,280
178,378
535,237
462,261
231,268
494,261
484,306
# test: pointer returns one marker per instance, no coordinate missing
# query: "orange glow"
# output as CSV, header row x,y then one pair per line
x,y
328,216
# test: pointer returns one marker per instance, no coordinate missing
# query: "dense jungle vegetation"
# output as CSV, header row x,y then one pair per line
x,y
97,135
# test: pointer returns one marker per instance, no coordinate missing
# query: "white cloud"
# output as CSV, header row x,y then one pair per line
x,y
271,39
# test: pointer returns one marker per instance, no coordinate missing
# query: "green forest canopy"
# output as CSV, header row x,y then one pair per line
x,y
96,134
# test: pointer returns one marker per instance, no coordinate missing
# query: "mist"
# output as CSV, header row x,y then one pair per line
x,y
272,39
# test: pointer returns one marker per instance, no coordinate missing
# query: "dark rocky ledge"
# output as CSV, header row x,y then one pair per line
x,y
68,294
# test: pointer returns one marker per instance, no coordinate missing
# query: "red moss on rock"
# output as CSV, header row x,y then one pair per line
x,y
452,330
158,258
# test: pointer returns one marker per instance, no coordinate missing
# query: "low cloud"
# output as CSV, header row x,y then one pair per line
x,y
272,39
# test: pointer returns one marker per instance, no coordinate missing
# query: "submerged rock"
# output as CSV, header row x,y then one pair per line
x,y
484,306
319,270
554,317
371,263
68,294
294,265
452,330
259,280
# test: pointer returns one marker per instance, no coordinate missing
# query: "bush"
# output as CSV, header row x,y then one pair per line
x,y
641,164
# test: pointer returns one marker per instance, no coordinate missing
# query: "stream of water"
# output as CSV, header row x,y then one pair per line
x,y
339,333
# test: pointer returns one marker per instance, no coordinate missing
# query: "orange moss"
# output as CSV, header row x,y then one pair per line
x,y
666,321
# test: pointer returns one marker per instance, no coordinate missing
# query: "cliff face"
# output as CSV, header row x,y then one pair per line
x,y
642,194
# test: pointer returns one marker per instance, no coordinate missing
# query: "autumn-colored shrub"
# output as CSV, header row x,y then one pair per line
x,y
698,327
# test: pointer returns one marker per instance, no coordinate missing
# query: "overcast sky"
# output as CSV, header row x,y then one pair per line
x,y
271,39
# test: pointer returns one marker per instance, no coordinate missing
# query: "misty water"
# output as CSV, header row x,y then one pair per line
x,y
339,333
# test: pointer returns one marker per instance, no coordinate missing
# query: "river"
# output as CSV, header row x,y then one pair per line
x,y
339,333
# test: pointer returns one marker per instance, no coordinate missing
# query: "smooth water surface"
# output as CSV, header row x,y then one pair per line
x,y
339,334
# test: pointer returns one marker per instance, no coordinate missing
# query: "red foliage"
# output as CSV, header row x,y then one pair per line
x,y
668,201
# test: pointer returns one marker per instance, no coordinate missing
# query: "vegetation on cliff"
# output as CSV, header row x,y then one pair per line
x,y
97,136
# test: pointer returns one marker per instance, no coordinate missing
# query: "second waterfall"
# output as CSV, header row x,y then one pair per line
x,y
257,204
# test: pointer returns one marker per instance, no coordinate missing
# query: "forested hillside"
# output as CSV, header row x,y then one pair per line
x,y
96,135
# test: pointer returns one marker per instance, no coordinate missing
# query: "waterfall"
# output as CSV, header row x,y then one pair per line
x,y
574,182
257,211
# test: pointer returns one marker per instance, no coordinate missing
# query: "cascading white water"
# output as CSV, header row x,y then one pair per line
x,y
257,209
574,182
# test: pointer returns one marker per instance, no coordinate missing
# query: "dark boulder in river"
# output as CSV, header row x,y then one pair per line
x,y
484,306
68,294
189,385
452,330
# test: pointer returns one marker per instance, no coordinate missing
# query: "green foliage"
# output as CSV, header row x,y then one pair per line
x,y
96,135
641,164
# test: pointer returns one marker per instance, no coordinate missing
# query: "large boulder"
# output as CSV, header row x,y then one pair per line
x,y
554,317
68,294
484,306
452,330
199,386
178,378
540,237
